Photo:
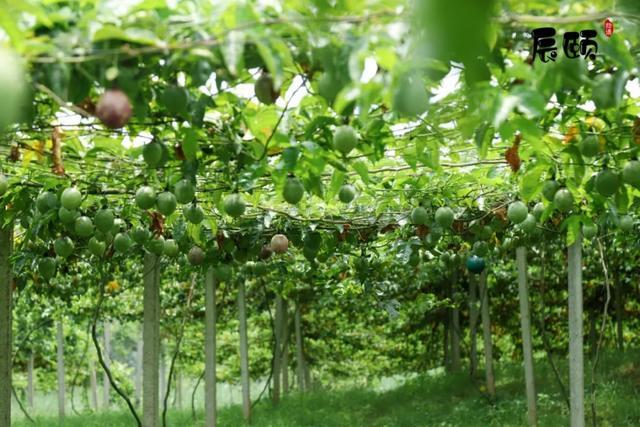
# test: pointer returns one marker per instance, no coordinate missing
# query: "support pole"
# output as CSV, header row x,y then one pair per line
x,y
300,369
151,341
525,324
60,362
6,289
486,333
210,350
277,354
576,357
244,353
473,325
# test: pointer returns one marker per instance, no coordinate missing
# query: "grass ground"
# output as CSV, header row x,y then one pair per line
x,y
433,400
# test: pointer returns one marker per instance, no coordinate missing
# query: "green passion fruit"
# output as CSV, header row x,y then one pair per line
x,y
171,248
104,220
194,214
293,190
538,209
563,200
47,268
444,217
410,97
63,247
156,245
184,191
419,216
590,146
480,248
347,193
549,189
66,216
83,226
517,212
96,247
607,182
153,154
222,272
121,243
589,231
625,223
631,173
4,184
71,198
234,205
46,201
529,224
140,235
145,197
166,203
345,139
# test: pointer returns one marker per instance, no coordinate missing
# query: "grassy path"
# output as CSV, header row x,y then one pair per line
x,y
440,400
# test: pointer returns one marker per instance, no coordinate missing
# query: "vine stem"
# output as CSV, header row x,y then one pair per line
x,y
177,352
104,366
193,395
605,270
22,408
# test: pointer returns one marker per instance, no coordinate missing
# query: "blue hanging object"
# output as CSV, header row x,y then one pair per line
x,y
476,264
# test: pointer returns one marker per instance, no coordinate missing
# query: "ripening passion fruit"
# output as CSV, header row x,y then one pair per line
x,y
265,90
114,109
195,256
279,243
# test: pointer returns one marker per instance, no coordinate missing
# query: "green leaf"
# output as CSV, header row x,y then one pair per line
x,y
531,185
573,228
362,169
132,35
190,145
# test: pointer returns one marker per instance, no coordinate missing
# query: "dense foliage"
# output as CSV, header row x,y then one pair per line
x,y
361,159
